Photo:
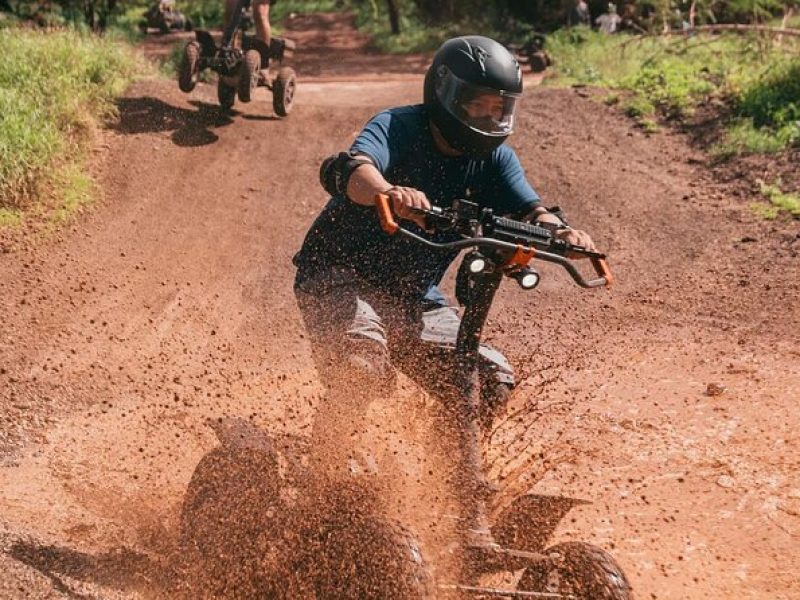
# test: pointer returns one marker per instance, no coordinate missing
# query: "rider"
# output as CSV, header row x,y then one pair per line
x,y
370,301
260,16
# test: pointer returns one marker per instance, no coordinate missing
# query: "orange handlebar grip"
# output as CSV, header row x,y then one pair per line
x,y
601,268
388,224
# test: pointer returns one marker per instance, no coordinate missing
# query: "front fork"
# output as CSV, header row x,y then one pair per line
x,y
480,292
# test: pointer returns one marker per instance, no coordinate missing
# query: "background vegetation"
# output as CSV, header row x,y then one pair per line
x,y
755,82
661,67
54,88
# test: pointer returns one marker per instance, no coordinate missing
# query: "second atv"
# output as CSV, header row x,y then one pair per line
x,y
242,63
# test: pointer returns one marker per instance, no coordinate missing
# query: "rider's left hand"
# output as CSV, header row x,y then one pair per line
x,y
576,237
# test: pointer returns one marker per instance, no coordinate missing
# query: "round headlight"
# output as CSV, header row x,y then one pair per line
x,y
477,265
527,279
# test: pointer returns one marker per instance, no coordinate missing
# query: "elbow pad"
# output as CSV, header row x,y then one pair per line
x,y
335,171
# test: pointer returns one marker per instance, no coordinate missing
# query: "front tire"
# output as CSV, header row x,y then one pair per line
x,y
583,571
190,67
226,94
229,532
283,89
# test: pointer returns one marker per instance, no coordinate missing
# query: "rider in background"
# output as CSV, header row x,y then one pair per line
x,y
370,301
609,21
260,16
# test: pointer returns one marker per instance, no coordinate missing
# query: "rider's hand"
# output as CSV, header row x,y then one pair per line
x,y
576,237
407,202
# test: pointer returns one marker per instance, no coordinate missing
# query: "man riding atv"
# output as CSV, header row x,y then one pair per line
x,y
370,301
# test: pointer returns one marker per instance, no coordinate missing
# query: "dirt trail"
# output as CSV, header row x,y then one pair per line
x,y
170,303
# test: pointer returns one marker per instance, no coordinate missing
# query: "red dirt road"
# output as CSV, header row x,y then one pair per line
x,y
170,303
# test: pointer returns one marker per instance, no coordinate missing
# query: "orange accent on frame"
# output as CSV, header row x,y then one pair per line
x,y
522,256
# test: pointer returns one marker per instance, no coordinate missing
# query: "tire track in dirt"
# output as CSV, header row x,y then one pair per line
x,y
171,303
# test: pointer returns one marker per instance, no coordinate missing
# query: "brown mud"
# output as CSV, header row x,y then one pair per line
x,y
170,303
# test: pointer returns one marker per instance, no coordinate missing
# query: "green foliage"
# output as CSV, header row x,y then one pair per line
x,y
170,66
743,137
204,13
10,217
753,10
418,16
767,110
77,190
669,78
8,19
649,125
781,200
53,89
774,100
765,211
638,106
672,87
125,25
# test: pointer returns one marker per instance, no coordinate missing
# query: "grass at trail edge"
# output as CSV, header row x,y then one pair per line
x,y
55,88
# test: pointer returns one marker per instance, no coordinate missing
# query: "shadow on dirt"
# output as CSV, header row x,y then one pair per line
x,y
190,128
119,568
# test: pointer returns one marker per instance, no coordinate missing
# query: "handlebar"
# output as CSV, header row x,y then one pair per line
x,y
517,242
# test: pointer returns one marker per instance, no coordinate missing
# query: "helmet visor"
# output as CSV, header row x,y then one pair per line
x,y
485,110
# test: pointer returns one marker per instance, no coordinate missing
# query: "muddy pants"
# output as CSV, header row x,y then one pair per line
x,y
360,334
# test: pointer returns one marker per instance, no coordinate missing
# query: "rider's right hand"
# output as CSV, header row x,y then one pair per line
x,y
408,202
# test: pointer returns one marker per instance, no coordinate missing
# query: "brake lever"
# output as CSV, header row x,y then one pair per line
x,y
436,218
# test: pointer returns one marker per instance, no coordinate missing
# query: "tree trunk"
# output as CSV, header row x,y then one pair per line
x,y
88,13
394,16
788,11
106,10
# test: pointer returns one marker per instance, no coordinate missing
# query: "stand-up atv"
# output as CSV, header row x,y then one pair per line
x,y
257,521
164,17
241,66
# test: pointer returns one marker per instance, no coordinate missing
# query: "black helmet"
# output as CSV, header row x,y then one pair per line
x,y
472,90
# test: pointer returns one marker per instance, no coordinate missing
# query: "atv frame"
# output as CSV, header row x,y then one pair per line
x,y
241,66
255,494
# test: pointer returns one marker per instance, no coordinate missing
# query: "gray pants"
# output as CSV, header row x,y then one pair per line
x,y
360,334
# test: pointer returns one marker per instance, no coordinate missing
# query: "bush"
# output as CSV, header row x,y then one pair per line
x,y
670,77
54,88
781,200
774,100
673,87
